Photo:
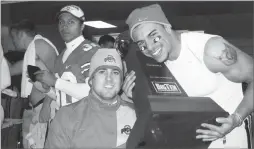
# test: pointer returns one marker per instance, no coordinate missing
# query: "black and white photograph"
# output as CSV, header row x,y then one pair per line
x,y
126,74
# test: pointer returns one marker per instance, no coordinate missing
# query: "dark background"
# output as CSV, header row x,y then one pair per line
x,y
230,19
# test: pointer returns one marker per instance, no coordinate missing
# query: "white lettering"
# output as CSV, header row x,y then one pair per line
x,y
166,87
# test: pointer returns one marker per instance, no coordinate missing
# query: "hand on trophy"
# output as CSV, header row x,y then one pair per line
x,y
213,132
129,84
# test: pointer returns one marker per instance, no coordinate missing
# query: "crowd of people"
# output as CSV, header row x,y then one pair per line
x,y
83,96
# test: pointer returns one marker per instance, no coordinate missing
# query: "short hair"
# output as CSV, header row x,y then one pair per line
x,y
25,25
106,38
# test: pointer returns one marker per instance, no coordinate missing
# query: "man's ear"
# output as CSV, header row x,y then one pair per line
x,y
82,26
90,82
168,29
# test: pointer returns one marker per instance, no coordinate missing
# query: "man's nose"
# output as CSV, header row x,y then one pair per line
x,y
64,26
150,46
109,76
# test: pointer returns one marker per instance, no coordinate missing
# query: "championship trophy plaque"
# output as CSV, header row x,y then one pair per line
x,y
166,116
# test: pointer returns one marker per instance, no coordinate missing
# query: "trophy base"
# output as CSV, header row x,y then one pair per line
x,y
173,122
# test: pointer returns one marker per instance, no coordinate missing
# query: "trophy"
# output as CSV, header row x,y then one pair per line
x,y
166,116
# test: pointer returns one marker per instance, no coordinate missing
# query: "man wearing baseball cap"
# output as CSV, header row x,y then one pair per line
x,y
215,69
100,120
68,83
73,10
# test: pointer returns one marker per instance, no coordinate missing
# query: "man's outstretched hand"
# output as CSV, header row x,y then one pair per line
x,y
215,132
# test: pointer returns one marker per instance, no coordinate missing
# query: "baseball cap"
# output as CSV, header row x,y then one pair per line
x,y
152,13
105,58
74,10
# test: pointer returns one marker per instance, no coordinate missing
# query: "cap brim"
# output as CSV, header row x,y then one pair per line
x,y
134,26
61,12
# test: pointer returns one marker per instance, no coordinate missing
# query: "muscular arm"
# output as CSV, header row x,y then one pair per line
x,y
45,59
5,74
235,65
46,53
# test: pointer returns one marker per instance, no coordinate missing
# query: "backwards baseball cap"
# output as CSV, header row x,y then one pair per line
x,y
74,10
105,58
152,13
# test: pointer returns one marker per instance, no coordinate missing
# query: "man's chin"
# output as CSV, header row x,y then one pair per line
x,y
66,39
109,96
161,59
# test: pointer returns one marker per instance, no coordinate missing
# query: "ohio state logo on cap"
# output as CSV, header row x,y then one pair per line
x,y
110,59
126,129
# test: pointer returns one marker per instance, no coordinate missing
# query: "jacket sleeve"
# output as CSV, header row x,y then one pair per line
x,y
57,137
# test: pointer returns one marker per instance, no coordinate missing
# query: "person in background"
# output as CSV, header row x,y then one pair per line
x,y
5,78
13,57
42,53
11,102
68,82
5,81
106,41
10,132
215,67
100,120
13,105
